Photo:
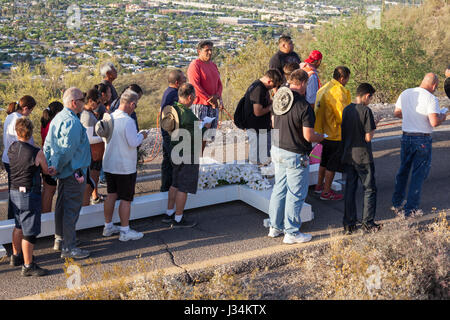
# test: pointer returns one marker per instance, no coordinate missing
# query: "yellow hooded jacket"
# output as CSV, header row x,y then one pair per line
x,y
331,100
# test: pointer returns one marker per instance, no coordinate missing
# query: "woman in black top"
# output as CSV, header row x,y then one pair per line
x,y
25,193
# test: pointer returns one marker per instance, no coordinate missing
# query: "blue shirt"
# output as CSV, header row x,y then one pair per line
x,y
168,99
312,88
67,146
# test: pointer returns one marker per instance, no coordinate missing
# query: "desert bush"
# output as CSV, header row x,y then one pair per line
x,y
402,261
221,286
151,286
153,82
45,83
429,23
243,67
389,58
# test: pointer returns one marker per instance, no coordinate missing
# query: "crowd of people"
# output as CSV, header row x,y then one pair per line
x,y
95,135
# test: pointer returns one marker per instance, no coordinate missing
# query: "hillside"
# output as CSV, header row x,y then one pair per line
x,y
410,42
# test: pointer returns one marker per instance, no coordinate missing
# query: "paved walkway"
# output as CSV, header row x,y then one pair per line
x,y
228,233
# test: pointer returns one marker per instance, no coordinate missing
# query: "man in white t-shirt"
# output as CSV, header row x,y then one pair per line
x,y
119,164
420,111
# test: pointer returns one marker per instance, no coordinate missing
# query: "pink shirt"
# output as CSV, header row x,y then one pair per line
x,y
205,78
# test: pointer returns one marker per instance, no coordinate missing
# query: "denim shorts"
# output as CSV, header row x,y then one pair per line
x,y
27,211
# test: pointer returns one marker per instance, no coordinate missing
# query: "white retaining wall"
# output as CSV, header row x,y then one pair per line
x,y
156,204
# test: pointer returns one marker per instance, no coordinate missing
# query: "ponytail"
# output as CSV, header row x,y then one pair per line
x,y
12,107
50,112
45,119
25,101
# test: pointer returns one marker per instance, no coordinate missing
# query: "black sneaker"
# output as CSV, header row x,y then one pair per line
x,y
348,230
372,227
33,271
16,260
183,223
168,219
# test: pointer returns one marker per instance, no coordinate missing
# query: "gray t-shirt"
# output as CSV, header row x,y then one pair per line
x,y
88,120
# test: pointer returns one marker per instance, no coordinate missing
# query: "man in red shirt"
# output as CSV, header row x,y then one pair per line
x,y
204,75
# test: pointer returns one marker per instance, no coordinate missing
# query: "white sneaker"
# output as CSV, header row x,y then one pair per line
x,y
107,232
273,233
130,235
297,238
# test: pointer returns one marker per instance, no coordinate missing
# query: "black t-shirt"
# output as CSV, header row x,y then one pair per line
x,y
280,59
290,126
24,172
447,87
257,93
357,120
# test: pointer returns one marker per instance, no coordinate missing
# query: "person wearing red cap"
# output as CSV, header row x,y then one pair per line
x,y
310,66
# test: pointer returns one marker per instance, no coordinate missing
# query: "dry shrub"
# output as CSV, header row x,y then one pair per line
x,y
402,261
115,285
221,286
429,22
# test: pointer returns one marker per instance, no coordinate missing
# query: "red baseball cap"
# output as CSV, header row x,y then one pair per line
x,y
315,55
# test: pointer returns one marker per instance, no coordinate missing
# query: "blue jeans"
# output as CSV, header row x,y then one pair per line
x,y
415,154
290,190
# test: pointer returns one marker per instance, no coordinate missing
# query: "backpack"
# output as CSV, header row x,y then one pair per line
x,y
239,114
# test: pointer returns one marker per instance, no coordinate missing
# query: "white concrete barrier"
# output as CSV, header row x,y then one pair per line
x,y
156,204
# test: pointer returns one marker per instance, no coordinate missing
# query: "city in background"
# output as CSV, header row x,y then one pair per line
x,y
145,34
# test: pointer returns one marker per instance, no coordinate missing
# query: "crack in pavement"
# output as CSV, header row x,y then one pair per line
x,y
172,259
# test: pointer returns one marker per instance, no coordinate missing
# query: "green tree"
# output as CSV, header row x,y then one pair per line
x,y
390,58
240,70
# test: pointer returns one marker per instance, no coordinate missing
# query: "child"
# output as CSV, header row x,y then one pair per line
x,y
25,161
288,69
358,127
